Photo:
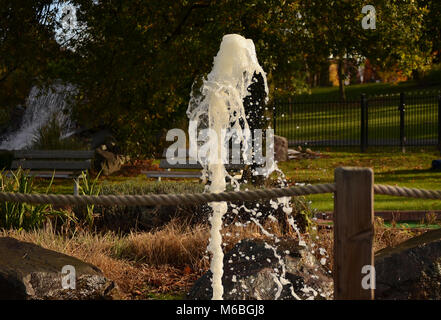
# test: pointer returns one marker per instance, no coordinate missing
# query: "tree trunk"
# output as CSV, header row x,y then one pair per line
x,y
341,83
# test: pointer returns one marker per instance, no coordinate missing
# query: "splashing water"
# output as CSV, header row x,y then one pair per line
x,y
41,106
219,107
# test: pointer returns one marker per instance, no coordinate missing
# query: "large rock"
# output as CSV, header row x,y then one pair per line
x,y
28,271
411,270
252,271
280,148
108,162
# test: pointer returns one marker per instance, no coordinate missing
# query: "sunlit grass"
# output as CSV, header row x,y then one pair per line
x,y
411,169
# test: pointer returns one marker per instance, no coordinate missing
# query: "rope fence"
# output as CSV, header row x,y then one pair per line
x,y
166,199
407,192
198,198
353,217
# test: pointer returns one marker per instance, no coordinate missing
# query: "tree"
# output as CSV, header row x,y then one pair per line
x,y
431,39
26,36
135,62
27,47
334,29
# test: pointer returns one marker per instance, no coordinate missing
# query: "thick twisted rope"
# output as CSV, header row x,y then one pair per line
x,y
198,198
166,199
407,192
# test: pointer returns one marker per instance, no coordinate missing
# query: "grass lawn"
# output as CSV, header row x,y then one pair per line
x,y
411,169
354,91
322,120
319,122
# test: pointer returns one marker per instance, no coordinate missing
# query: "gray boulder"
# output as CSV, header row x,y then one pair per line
x,y
411,270
252,272
30,272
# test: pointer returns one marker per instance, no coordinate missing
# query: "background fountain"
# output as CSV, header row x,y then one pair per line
x,y
41,106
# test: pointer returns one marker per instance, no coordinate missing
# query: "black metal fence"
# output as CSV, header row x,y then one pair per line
x,y
388,120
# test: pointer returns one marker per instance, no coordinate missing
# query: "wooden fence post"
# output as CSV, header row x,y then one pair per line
x,y
353,232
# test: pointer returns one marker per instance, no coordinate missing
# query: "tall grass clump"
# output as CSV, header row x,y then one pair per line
x,y
50,137
89,187
23,215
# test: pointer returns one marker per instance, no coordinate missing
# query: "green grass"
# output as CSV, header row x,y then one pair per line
x,y
125,185
328,120
411,169
411,225
322,116
164,296
354,91
401,225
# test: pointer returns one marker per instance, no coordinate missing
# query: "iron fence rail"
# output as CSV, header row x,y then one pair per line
x,y
389,120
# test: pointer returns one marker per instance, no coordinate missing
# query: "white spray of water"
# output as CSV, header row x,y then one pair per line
x,y
219,107
41,106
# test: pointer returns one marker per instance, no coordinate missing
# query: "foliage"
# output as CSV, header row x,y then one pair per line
x,y
333,29
27,49
304,215
165,187
89,187
431,37
432,76
23,215
134,62
50,137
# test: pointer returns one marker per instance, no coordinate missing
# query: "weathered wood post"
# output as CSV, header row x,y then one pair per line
x,y
353,232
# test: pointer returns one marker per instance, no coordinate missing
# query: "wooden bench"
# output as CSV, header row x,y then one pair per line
x,y
65,164
165,164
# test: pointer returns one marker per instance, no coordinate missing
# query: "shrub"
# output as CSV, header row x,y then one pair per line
x,y
433,76
132,187
147,218
23,215
89,187
50,137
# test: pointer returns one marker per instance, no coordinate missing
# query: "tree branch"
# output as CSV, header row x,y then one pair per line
x,y
184,19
